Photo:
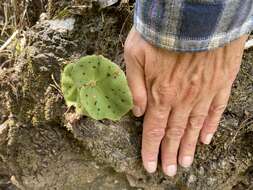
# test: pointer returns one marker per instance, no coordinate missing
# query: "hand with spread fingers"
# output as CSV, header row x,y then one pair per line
x,y
182,96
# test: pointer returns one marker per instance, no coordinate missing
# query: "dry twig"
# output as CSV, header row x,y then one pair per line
x,y
9,40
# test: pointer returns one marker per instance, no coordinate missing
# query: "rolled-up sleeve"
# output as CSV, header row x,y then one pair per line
x,y
193,25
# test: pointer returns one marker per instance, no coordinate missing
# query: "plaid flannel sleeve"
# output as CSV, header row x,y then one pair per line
x,y
193,25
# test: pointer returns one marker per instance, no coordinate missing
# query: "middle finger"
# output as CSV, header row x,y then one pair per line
x,y
175,129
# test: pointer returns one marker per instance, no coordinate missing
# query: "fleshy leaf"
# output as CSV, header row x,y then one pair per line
x,y
97,88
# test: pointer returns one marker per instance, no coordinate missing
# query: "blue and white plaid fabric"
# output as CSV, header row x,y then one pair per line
x,y
193,25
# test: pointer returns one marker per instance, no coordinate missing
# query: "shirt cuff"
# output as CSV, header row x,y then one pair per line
x,y
191,27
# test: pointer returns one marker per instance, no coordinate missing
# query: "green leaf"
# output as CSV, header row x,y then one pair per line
x,y
97,88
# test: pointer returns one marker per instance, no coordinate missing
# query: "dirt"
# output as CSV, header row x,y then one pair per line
x,y
44,145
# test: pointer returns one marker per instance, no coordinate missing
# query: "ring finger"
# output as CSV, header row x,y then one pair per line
x,y
191,135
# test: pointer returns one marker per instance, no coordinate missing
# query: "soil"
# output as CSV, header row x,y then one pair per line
x,y
45,145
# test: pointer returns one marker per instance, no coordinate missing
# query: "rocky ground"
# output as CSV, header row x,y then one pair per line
x,y
44,145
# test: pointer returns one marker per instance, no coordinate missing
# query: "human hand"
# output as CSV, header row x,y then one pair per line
x,y
183,96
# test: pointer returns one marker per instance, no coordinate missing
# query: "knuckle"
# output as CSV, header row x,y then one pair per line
x,y
218,109
196,122
165,90
163,93
189,145
192,91
212,126
155,133
159,116
195,80
179,120
175,133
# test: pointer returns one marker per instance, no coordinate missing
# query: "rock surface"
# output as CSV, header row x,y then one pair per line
x,y
44,145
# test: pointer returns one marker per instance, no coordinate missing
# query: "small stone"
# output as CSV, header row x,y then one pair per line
x,y
192,178
210,181
43,69
201,170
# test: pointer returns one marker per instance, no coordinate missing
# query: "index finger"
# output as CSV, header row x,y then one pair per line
x,y
154,126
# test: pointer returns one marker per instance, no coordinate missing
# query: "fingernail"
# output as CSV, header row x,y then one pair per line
x,y
187,161
208,139
151,167
137,111
171,170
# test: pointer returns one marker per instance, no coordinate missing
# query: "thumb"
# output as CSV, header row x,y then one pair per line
x,y
136,82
